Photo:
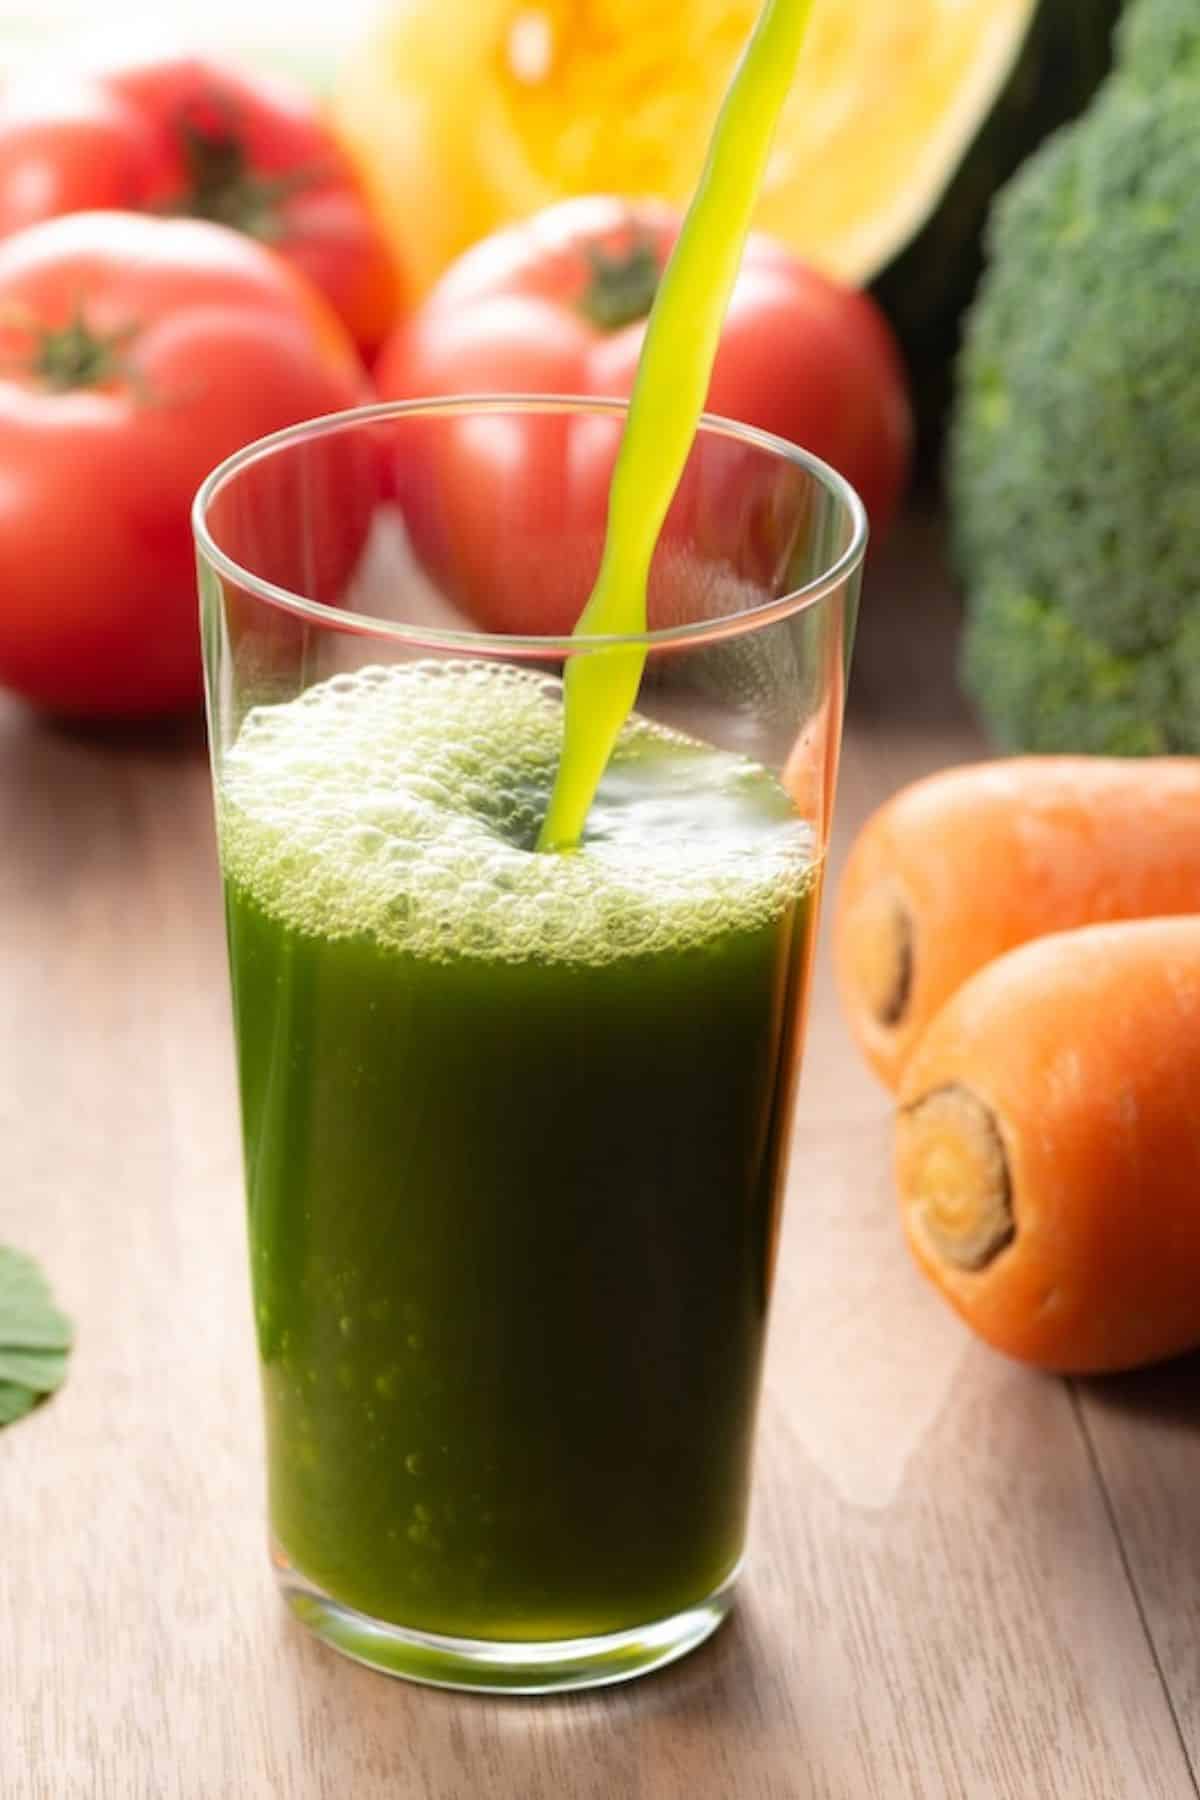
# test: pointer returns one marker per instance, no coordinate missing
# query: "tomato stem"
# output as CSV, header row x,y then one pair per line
x,y
621,286
220,184
75,356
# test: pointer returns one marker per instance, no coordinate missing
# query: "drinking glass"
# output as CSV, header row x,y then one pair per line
x,y
515,1122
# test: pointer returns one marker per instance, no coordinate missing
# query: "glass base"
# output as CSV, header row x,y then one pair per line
x,y
500,1666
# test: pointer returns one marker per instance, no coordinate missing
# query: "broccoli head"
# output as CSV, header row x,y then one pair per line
x,y
1159,41
1043,684
1074,457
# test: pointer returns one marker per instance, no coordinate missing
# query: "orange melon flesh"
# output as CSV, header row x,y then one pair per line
x,y
465,114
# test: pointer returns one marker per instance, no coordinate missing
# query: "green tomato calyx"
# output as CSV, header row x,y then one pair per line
x,y
221,185
621,285
73,356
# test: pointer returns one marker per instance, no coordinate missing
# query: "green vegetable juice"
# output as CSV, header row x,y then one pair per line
x,y
513,1127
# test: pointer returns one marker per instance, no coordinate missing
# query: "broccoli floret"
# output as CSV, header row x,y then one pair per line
x,y
1074,460
1159,41
1042,684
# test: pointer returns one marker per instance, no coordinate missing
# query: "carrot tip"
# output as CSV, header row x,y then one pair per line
x,y
955,1187
879,949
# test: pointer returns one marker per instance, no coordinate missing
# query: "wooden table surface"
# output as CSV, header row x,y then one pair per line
x,y
965,1579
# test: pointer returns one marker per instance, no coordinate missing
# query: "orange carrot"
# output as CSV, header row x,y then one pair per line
x,y
961,867
1048,1147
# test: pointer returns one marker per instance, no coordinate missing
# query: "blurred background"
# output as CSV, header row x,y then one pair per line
x,y
303,33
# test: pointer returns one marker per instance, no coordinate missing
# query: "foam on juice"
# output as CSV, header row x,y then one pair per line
x,y
403,803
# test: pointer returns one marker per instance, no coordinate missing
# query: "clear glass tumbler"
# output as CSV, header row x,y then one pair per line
x,y
514,1122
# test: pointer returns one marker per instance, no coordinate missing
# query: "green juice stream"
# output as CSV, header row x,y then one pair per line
x,y
512,1131
674,369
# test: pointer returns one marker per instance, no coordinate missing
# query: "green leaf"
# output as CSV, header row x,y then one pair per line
x,y
29,1319
34,1336
41,1370
15,1401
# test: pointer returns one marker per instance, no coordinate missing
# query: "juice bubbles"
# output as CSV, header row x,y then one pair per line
x,y
513,1128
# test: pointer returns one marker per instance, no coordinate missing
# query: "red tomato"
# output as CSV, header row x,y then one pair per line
x,y
195,137
134,355
558,304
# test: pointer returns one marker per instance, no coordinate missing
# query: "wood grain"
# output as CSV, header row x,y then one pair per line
x,y
1144,1433
966,1580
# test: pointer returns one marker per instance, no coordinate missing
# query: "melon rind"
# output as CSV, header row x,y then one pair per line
x,y
926,287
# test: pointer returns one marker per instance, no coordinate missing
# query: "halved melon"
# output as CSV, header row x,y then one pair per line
x,y
905,117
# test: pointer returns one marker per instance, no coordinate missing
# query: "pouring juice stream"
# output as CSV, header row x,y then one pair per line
x,y
673,374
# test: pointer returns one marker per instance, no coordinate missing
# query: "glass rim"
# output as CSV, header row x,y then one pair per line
x,y
750,618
